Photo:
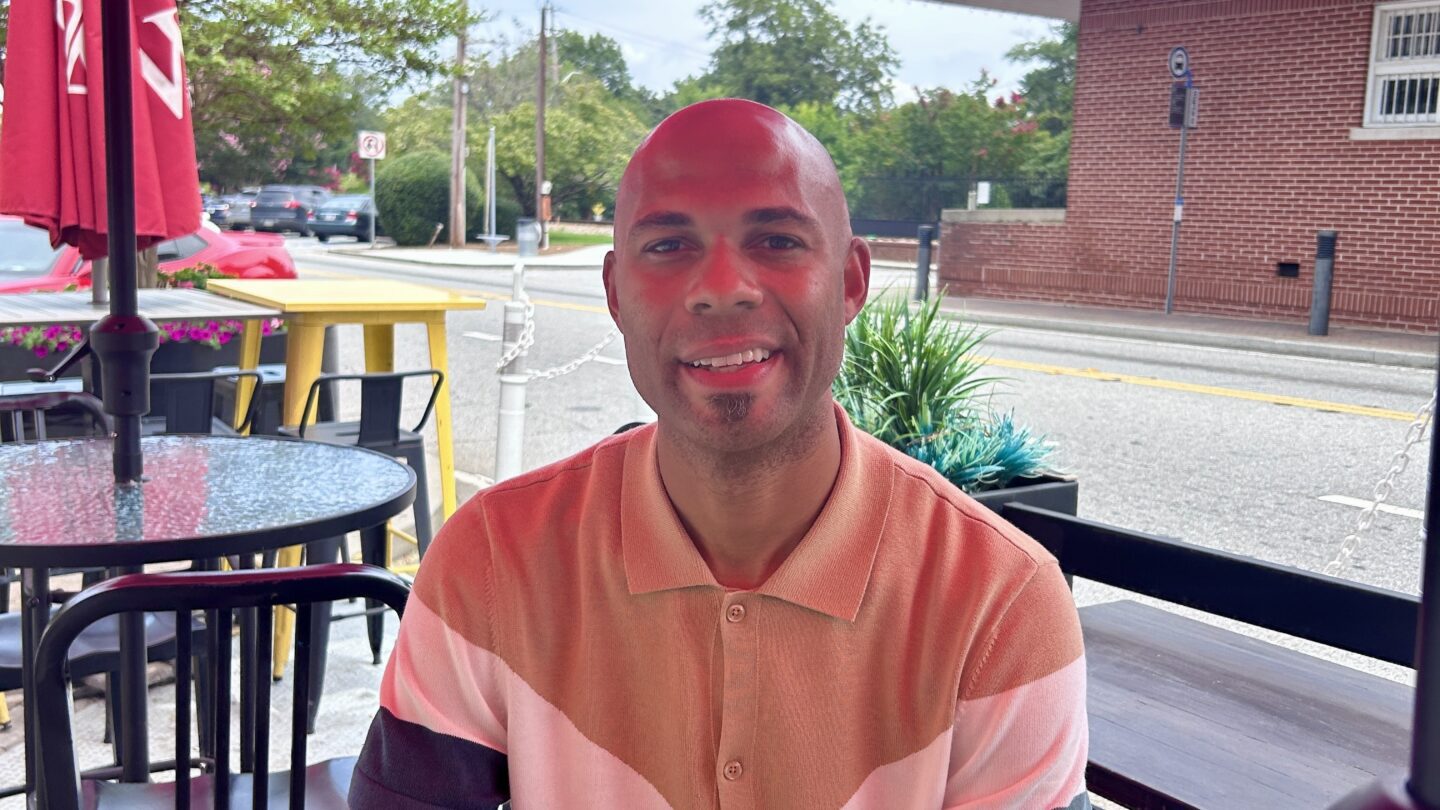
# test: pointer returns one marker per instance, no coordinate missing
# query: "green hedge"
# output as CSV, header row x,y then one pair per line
x,y
412,193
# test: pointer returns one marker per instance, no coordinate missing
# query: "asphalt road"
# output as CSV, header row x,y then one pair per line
x,y
1208,445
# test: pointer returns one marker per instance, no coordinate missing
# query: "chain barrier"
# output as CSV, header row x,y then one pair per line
x,y
1383,489
527,339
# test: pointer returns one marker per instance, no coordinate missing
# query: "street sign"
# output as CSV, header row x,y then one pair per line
x,y
1178,105
372,145
1179,61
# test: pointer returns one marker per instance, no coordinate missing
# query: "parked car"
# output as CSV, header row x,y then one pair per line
x,y
238,217
217,209
345,216
286,208
29,264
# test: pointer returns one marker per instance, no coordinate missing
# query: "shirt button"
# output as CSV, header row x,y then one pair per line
x,y
735,613
733,770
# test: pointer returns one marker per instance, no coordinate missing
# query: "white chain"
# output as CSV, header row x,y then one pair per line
x,y
591,354
527,339
1398,463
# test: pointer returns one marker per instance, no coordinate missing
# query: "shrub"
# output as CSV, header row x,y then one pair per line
x,y
412,193
913,380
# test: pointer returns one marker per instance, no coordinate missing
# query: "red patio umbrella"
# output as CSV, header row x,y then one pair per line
x,y
80,74
52,160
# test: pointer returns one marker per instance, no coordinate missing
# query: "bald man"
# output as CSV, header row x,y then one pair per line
x,y
748,603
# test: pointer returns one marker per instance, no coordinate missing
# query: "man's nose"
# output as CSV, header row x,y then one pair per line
x,y
724,280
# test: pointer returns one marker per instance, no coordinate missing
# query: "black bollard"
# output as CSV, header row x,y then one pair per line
x,y
1324,279
922,263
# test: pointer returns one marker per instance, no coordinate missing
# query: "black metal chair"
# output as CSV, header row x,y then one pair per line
x,y
40,403
185,403
323,785
381,398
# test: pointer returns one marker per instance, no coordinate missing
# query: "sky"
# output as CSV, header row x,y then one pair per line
x,y
665,40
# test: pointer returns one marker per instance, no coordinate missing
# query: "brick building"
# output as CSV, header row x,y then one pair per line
x,y
1313,114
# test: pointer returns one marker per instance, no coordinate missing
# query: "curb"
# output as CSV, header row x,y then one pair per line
x,y
1215,340
380,256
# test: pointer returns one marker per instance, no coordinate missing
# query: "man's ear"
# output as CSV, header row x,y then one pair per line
x,y
612,296
857,277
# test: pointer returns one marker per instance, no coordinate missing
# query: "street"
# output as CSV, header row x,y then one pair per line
x,y
1262,455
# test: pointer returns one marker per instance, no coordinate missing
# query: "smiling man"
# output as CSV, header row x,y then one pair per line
x,y
749,603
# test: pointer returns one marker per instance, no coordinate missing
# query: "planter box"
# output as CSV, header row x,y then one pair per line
x,y
15,361
1053,492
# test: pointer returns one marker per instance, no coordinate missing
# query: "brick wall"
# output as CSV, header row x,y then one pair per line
x,y
1282,85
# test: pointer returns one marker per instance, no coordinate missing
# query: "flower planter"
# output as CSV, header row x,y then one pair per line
x,y
1054,492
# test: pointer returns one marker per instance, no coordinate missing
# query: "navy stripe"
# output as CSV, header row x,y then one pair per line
x,y
404,765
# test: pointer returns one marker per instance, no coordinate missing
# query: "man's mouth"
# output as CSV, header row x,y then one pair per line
x,y
731,362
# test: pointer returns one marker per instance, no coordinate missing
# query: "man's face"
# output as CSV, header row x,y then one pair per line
x,y
733,276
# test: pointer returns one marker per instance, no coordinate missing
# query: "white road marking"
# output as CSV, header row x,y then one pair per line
x,y
477,481
483,336
608,361
1361,503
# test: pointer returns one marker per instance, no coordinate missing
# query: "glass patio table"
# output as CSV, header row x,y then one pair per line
x,y
203,498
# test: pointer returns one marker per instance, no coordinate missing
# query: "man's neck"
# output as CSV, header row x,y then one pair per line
x,y
745,516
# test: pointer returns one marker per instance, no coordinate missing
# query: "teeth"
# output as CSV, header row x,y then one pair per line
x,y
747,356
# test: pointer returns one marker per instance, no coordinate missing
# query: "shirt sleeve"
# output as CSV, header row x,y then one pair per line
x,y
439,738
1020,735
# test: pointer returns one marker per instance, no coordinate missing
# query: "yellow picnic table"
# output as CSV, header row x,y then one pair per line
x,y
377,304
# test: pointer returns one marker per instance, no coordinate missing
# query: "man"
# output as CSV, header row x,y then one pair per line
x,y
748,603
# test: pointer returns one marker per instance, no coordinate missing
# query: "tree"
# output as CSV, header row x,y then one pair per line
x,y
1049,88
787,52
923,156
279,88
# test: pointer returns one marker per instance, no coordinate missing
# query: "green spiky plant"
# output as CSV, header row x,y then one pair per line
x,y
915,380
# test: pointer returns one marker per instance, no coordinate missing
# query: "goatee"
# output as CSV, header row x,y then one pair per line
x,y
732,407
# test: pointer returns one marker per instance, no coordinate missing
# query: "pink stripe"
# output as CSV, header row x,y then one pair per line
x,y
915,781
1025,747
438,679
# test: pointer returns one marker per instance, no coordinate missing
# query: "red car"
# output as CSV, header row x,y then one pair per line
x,y
29,264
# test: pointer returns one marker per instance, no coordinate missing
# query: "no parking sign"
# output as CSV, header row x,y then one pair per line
x,y
372,145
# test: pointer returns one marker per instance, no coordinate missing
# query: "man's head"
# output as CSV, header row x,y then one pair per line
x,y
733,276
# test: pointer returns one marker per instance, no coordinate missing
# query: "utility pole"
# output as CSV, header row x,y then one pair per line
x,y
457,147
540,127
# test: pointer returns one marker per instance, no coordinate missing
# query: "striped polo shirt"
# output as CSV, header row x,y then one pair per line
x,y
566,646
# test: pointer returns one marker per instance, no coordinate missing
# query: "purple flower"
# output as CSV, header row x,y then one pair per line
x,y
41,351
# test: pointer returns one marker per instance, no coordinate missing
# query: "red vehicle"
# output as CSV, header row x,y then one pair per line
x,y
29,264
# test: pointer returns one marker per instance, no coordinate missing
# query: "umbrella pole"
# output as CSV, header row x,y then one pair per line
x,y
123,340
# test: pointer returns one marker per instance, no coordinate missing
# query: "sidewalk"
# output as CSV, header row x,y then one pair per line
x,y
1347,343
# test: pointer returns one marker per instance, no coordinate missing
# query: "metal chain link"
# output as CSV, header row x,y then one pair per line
x,y
591,354
1383,489
527,339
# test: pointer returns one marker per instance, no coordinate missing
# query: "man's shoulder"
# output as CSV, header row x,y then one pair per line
x,y
924,501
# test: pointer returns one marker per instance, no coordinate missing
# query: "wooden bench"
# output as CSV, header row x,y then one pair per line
x,y
1184,714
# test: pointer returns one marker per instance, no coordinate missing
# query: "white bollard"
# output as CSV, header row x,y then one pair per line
x,y
510,434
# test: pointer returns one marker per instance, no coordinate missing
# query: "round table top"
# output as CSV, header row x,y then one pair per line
x,y
202,497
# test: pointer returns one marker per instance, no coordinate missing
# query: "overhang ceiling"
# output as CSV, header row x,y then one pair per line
x,y
1055,9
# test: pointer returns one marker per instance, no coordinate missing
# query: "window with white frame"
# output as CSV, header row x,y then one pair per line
x,y
1404,66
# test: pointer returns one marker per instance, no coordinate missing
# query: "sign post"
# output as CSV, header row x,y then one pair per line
x,y
372,148
1184,106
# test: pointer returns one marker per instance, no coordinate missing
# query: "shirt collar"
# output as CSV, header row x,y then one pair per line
x,y
827,572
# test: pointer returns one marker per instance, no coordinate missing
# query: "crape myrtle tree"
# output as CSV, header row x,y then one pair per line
x,y
278,88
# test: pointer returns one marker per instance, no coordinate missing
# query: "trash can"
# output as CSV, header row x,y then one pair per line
x,y
527,236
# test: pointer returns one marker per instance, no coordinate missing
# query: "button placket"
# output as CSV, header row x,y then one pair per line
x,y
739,642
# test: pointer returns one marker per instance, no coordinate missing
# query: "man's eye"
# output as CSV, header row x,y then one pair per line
x,y
780,242
663,246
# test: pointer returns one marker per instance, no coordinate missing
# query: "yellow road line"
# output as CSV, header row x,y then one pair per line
x,y
1209,390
